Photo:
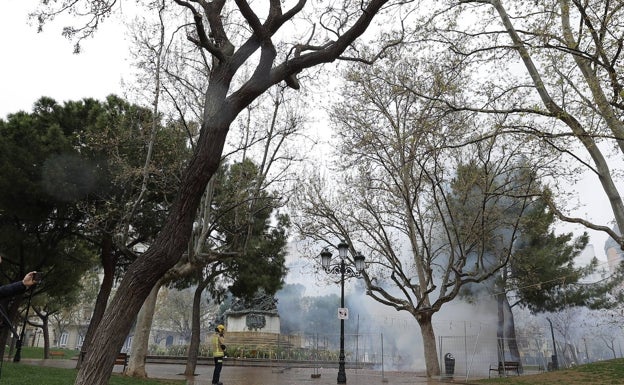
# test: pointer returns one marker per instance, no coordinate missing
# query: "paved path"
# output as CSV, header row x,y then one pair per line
x,y
237,375
248,375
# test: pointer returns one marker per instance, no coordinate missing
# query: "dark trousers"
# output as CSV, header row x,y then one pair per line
x,y
218,364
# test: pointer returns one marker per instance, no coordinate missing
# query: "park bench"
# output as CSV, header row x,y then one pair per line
x,y
121,359
56,353
506,367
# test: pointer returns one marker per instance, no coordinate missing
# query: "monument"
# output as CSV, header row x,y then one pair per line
x,y
256,315
253,328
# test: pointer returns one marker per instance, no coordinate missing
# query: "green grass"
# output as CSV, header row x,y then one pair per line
x,y
24,374
30,352
598,373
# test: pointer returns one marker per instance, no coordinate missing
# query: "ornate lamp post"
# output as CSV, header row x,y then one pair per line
x,y
343,270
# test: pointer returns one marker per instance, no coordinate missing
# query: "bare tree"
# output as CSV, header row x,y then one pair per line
x,y
266,134
553,70
226,95
564,323
434,212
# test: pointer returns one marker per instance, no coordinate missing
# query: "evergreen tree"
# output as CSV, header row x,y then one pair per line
x,y
543,273
540,271
249,227
72,188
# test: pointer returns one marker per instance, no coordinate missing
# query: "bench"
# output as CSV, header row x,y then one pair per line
x,y
506,367
56,353
121,359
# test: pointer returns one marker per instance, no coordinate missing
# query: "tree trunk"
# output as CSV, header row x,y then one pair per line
x,y
147,270
109,261
510,332
5,332
193,351
506,330
167,248
45,329
500,328
4,337
429,343
140,341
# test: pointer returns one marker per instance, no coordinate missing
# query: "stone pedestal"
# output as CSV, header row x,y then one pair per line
x,y
253,321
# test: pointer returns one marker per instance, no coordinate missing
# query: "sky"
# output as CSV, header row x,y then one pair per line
x,y
43,64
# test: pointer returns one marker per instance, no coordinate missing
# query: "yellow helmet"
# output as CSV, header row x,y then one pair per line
x,y
220,328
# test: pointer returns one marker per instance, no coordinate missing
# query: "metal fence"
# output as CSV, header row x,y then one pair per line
x,y
362,350
478,356
359,348
466,349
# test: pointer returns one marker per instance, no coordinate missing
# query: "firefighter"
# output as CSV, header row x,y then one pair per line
x,y
218,352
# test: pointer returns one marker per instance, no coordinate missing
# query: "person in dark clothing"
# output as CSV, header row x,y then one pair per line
x,y
6,293
15,288
11,290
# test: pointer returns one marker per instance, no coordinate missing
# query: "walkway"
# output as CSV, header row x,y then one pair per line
x,y
239,375
247,375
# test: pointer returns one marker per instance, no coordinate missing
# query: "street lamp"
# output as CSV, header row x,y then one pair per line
x,y
344,271
555,359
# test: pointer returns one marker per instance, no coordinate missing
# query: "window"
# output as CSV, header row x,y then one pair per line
x,y
63,339
80,341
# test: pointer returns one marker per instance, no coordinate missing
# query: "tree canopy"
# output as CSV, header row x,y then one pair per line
x,y
544,272
249,224
75,170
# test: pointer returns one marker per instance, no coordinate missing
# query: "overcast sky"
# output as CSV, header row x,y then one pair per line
x,y
42,64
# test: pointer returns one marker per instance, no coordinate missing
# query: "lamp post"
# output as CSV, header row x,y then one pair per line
x,y
555,359
343,270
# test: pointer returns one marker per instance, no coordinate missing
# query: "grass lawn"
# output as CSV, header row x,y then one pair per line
x,y
598,373
24,374
30,352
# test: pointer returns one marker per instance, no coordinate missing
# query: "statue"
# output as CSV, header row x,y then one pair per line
x,y
255,310
261,301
